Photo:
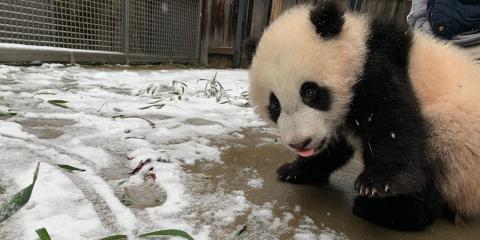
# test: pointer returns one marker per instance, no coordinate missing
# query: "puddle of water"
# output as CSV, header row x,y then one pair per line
x,y
45,128
115,172
46,123
328,205
5,117
141,196
9,82
200,122
46,133
122,91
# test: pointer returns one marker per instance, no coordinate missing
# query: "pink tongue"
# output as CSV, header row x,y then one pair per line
x,y
306,153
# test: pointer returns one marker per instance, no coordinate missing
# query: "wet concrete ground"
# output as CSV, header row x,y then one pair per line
x,y
257,153
327,205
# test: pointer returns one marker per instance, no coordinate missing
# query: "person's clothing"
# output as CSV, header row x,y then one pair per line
x,y
453,17
474,50
455,20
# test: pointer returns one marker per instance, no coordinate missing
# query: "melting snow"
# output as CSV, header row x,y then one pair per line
x,y
121,120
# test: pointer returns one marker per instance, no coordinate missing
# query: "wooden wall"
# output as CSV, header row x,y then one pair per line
x,y
220,22
278,6
260,12
218,31
391,10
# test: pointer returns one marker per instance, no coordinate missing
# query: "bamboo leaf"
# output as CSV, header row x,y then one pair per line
x,y
237,232
116,237
58,103
19,199
70,168
158,106
7,114
118,116
152,124
43,234
168,232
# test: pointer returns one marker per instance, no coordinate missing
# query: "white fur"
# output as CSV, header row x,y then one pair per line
x,y
448,85
444,78
290,53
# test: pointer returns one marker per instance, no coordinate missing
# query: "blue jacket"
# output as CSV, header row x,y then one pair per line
x,y
453,17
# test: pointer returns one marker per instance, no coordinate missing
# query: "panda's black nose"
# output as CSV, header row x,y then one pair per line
x,y
301,145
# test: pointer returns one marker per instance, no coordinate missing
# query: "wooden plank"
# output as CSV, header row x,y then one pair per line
x,y
277,6
221,61
259,17
219,24
221,50
239,32
206,16
388,10
223,27
288,4
306,1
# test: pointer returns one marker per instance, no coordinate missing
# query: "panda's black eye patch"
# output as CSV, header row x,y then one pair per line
x,y
274,107
315,96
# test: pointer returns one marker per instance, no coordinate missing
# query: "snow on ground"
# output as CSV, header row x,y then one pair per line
x,y
133,131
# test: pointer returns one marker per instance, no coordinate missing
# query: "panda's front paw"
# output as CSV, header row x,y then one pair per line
x,y
297,173
373,185
290,172
383,182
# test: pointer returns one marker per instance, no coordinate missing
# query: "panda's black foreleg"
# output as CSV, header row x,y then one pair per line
x,y
394,152
403,212
319,167
391,179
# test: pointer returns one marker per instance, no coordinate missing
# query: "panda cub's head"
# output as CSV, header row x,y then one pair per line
x,y
303,71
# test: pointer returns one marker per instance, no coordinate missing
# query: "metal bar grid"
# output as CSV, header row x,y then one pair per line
x,y
155,29
76,24
164,27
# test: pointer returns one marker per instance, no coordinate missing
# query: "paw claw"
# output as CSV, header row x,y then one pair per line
x,y
298,172
367,185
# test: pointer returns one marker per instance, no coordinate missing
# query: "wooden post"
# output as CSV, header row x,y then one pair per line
x,y
288,4
260,16
277,6
237,51
206,18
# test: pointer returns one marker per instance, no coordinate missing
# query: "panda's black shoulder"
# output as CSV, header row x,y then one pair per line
x,y
385,102
390,41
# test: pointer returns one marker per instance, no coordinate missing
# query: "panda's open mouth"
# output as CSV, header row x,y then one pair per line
x,y
309,152
306,153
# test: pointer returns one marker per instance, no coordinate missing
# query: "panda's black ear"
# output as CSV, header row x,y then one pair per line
x,y
249,48
328,19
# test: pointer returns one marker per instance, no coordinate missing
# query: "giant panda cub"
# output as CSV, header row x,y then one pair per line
x,y
335,83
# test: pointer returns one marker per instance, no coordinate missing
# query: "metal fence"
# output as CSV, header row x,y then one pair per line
x,y
113,31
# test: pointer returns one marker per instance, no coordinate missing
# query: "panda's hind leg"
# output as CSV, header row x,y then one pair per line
x,y
402,212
